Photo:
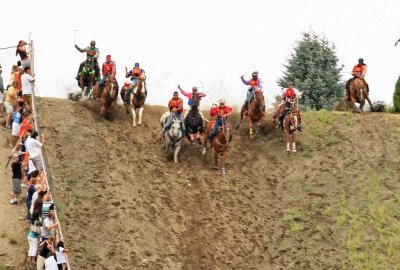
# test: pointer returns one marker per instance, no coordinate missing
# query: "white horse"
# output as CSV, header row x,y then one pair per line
x,y
137,99
174,136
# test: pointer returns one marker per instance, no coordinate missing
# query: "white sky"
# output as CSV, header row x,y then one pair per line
x,y
201,42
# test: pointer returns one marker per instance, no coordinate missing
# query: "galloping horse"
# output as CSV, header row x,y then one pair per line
x,y
193,121
290,124
87,77
173,138
125,88
220,142
109,96
137,99
358,93
255,113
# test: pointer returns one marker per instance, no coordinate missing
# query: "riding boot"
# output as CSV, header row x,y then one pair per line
x,y
246,107
211,138
281,117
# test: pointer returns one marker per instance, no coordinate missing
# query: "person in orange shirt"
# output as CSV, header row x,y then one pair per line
x,y
221,112
175,106
358,71
18,78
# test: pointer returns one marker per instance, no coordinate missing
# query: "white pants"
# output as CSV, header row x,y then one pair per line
x,y
33,245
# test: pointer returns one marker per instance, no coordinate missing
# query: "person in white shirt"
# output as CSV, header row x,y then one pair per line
x,y
33,145
26,81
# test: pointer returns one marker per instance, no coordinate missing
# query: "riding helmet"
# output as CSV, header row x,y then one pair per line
x,y
360,60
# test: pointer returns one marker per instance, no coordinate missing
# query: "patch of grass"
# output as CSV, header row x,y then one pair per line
x,y
2,266
307,154
71,181
325,168
60,210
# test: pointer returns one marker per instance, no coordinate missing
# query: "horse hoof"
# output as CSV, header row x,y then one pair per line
x,y
294,151
203,152
288,150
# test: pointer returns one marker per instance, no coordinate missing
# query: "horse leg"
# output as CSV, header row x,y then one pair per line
x,y
133,116
258,126
369,101
140,115
223,169
216,156
198,136
294,142
353,103
177,148
287,141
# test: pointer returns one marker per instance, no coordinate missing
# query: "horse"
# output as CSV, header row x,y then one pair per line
x,y
87,77
220,142
194,121
255,113
357,93
137,99
109,96
290,124
173,137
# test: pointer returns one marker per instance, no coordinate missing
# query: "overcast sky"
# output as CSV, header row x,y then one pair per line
x,y
204,43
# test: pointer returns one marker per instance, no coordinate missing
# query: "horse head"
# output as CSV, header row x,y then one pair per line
x,y
111,86
226,130
175,130
259,97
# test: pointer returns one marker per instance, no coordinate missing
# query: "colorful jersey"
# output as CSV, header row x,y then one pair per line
x,y
135,73
91,52
290,93
255,84
108,68
176,103
220,111
359,70
190,96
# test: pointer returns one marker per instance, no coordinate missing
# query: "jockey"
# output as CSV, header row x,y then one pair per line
x,y
134,76
190,96
255,84
358,71
289,94
220,112
175,106
108,68
93,53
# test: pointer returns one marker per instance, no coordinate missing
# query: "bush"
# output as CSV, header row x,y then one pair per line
x,y
396,97
379,106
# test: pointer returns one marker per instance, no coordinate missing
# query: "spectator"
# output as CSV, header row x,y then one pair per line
x,y
21,51
37,204
48,226
16,179
51,262
29,194
61,250
48,205
46,249
14,70
18,77
11,102
27,81
33,146
16,123
33,239
1,93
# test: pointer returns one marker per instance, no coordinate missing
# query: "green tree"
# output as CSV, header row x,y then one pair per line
x,y
396,96
313,68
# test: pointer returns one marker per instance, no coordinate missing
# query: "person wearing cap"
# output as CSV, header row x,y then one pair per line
x,y
10,102
221,112
289,94
21,51
108,68
195,92
134,75
175,106
359,72
255,83
1,92
91,52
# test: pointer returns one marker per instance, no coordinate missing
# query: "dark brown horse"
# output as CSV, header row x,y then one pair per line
x,y
358,93
255,113
87,77
290,124
109,96
137,99
220,142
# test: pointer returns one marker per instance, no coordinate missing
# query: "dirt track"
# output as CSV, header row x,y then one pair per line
x,y
124,205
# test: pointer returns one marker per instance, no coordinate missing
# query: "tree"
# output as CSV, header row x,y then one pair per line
x,y
313,68
396,96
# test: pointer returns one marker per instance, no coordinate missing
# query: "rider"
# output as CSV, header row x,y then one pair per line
x,y
108,68
255,84
358,71
190,96
134,76
175,106
289,94
220,112
93,53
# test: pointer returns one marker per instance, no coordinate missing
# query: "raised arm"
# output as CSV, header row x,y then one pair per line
x,y
186,94
397,42
79,49
244,81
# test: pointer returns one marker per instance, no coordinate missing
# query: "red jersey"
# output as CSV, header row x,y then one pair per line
x,y
290,93
254,82
217,110
359,70
108,68
176,103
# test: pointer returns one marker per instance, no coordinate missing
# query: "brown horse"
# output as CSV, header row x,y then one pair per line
x,y
255,113
87,77
358,93
290,124
137,99
125,88
109,96
220,142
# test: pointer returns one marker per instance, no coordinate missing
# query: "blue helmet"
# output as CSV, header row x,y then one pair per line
x,y
136,64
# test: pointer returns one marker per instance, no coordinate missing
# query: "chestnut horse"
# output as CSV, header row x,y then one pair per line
x,y
255,113
87,77
220,142
137,99
358,93
109,96
290,124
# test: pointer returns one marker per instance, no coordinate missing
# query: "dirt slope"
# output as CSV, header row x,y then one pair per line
x,y
124,205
